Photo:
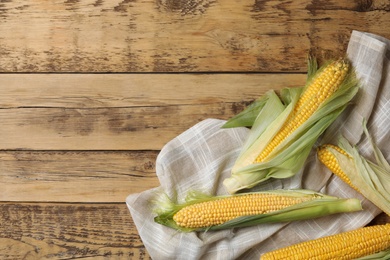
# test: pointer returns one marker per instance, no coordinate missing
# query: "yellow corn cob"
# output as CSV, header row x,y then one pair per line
x,y
319,90
348,245
219,211
330,161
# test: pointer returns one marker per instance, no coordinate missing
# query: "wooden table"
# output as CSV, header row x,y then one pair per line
x,y
92,90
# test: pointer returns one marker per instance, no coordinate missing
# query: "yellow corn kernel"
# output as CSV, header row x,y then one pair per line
x,y
347,245
320,89
330,161
216,212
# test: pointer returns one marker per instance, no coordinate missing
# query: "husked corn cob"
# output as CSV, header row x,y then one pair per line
x,y
216,212
348,245
319,90
330,161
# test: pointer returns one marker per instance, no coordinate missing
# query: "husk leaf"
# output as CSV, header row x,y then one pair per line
x,y
247,117
382,255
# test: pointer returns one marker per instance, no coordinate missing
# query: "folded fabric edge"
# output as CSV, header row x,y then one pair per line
x,y
141,214
359,43
380,39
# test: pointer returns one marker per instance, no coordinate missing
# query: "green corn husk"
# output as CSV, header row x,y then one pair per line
x,y
247,117
319,205
288,158
371,179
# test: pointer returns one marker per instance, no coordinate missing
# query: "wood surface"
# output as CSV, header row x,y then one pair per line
x,y
120,112
68,231
92,90
179,36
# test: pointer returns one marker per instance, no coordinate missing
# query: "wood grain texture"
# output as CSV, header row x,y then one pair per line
x,y
137,90
71,231
148,128
166,35
120,112
68,231
74,176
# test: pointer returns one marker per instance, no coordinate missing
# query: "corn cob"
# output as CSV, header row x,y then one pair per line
x,y
330,161
369,178
286,128
320,89
216,212
347,245
203,212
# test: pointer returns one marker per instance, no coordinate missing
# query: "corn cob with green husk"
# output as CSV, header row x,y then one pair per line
x,y
371,179
248,116
372,242
286,128
201,212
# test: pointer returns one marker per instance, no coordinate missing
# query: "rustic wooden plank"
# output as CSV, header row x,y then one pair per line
x,y
136,90
68,231
201,35
104,176
145,128
84,112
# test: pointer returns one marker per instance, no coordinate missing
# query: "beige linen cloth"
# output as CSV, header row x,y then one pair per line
x,y
201,158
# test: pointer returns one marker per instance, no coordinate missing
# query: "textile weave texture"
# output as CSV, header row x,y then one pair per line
x,y
201,158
